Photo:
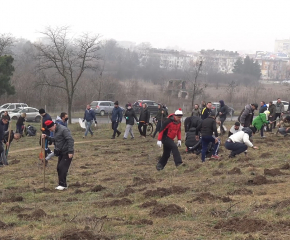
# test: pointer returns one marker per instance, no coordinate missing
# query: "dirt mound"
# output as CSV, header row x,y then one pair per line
x,y
165,210
282,204
108,179
116,202
149,204
78,191
244,225
163,192
97,188
266,155
273,172
74,234
38,213
258,180
235,170
108,195
137,181
16,199
126,192
3,225
142,222
217,173
14,162
241,191
206,196
286,166
76,184
18,209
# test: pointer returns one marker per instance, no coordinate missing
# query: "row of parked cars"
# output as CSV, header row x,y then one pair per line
x,y
15,109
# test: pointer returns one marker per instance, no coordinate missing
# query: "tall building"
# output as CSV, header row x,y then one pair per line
x,y
282,46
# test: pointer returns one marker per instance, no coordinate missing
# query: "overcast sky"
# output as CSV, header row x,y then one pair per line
x,y
247,25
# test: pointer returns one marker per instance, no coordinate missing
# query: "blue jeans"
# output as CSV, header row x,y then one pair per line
x,y
88,128
115,128
205,140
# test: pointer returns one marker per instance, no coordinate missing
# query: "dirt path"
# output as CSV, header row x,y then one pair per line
x,y
37,148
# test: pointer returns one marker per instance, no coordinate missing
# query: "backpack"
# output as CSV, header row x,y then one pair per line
x,y
31,131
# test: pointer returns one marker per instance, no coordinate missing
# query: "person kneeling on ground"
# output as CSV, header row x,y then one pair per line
x,y
64,149
284,126
259,122
206,129
240,141
170,129
235,128
8,140
191,143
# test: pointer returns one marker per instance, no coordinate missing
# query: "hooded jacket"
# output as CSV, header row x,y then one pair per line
x,y
58,120
190,140
130,116
207,127
222,110
246,116
191,122
260,120
62,139
170,128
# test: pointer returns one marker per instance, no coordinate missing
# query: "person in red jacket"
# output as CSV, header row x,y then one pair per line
x,y
170,129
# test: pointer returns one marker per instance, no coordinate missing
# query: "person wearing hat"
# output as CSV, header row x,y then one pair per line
x,y
160,118
247,114
143,120
64,150
171,128
261,120
45,117
89,116
116,119
284,126
235,128
240,141
206,129
130,116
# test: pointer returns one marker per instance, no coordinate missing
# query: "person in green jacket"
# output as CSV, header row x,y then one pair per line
x,y
260,121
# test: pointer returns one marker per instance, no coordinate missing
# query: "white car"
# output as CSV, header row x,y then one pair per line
x,y
286,104
32,114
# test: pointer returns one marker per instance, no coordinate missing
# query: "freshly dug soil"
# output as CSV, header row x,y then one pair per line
x,y
235,170
97,188
165,210
163,192
241,191
273,172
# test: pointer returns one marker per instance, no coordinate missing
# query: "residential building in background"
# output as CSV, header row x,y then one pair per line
x,y
274,66
218,60
282,46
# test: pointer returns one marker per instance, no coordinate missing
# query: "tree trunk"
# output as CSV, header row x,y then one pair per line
x,y
69,103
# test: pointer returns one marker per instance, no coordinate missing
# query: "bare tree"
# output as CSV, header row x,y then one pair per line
x,y
6,41
231,89
62,61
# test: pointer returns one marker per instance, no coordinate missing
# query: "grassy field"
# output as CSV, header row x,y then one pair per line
x,y
115,192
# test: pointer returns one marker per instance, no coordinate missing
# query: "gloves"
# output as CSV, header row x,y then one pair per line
x,y
137,123
96,122
127,118
159,143
83,120
179,143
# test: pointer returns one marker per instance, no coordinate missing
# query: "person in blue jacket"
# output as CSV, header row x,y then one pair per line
x,y
89,116
62,119
116,119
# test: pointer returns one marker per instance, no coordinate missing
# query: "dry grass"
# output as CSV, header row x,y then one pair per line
x,y
211,203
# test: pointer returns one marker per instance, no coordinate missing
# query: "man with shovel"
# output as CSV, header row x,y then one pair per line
x,y
64,150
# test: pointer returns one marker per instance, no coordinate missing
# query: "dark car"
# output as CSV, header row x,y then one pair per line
x,y
152,106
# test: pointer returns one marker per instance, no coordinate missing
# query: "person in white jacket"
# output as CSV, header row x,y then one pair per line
x,y
240,141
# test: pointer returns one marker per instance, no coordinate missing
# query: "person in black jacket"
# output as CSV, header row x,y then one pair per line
x,y
206,129
20,123
191,142
64,149
191,122
143,120
13,135
129,116
222,113
6,125
4,121
160,118
263,107
206,111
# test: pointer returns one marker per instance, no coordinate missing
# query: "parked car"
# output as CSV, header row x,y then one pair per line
x,y
216,106
152,106
11,106
286,104
32,114
103,107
